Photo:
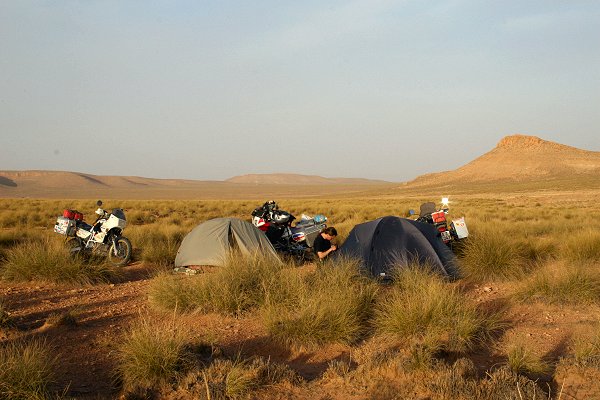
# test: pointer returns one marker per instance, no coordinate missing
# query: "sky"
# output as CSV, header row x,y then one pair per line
x,y
209,90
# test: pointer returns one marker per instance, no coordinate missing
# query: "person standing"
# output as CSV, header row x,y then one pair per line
x,y
322,244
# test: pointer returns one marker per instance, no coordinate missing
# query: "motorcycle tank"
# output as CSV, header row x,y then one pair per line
x,y
114,222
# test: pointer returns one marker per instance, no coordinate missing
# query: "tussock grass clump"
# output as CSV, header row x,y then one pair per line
x,y
27,370
240,284
5,319
67,318
391,375
332,305
171,292
233,379
582,246
522,361
491,255
422,306
152,354
160,244
565,285
586,350
49,260
237,378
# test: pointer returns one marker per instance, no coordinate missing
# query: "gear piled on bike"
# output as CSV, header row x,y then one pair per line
x,y
295,241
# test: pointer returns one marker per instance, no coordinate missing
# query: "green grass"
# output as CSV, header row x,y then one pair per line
x,y
5,319
66,318
489,255
153,353
568,284
240,285
47,259
582,246
423,307
238,378
159,245
27,370
521,360
332,305
586,350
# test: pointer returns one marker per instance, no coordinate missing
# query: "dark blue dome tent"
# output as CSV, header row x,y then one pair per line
x,y
393,241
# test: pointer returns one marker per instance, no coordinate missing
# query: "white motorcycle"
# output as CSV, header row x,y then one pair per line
x,y
104,236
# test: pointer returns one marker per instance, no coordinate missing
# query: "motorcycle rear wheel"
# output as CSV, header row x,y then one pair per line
x,y
122,254
75,247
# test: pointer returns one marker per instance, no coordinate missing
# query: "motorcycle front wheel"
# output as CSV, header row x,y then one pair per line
x,y
119,253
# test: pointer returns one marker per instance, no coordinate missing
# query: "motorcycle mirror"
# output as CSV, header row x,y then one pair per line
x,y
99,203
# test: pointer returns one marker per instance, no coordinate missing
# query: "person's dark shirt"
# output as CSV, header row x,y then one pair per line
x,y
321,244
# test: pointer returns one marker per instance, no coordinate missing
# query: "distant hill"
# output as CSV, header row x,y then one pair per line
x,y
521,158
525,160
64,184
297,179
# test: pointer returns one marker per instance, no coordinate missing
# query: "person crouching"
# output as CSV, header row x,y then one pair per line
x,y
322,244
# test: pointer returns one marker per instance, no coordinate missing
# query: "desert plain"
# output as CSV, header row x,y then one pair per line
x,y
521,322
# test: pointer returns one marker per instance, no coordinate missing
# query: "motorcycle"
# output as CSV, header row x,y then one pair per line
x,y
104,236
296,241
450,233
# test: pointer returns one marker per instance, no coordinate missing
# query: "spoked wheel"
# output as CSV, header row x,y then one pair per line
x,y
75,247
119,253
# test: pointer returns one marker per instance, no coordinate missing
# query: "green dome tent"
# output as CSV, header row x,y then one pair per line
x,y
209,242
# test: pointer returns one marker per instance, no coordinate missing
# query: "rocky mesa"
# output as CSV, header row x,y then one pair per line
x,y
520,158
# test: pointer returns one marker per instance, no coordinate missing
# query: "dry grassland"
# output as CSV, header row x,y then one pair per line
x,y
523,322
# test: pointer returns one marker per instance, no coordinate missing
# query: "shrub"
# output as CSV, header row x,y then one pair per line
x,y
49,260
332,305
27,370
422,306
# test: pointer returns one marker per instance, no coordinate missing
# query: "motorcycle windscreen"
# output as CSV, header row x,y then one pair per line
x,y
119,213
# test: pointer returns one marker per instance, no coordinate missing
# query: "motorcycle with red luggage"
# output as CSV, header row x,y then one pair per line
x,y
105,236
295,241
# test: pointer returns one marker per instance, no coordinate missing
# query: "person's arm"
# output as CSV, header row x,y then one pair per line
x,y
323,254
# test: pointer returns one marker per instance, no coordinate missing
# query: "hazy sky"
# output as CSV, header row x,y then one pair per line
x,y
213,89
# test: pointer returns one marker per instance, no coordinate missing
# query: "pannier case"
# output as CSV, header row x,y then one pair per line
x,y
460,227
65,226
